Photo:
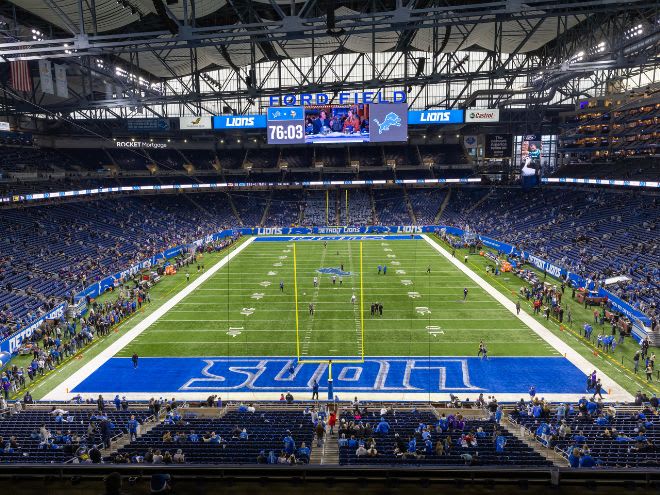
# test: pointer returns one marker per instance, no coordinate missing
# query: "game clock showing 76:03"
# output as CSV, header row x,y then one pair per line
x,y
286,132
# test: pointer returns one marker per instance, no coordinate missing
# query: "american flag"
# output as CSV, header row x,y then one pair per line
x,y
20,75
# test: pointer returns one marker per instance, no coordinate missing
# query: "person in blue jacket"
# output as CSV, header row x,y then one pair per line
x,y
383,427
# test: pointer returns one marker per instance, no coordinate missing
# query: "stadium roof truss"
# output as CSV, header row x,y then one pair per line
x,y
209,57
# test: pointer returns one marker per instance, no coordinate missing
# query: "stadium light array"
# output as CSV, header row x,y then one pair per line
x,y
634,31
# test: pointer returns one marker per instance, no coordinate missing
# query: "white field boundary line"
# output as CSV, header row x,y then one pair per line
x,y
61,391
617,392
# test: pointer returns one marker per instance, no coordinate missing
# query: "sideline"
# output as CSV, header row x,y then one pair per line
x,y
61,391
630,374
615,391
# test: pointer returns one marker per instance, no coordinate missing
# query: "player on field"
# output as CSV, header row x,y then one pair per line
x,y
353,299
316,282
281,285
187,277
481,348
311,309
465,293
428,269
334,280
341,281
325,244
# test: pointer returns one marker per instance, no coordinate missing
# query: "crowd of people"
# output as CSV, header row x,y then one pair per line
x,y
590,424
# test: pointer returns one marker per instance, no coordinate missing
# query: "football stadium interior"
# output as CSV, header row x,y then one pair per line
x,y
389,246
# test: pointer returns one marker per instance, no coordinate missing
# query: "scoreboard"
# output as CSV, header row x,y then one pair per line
x,y
286,125
361,123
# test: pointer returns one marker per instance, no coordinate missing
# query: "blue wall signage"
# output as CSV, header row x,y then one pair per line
x,y
239,122
341,98
427,117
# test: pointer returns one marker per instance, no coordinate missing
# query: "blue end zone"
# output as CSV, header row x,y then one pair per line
x,y
382,375
289,238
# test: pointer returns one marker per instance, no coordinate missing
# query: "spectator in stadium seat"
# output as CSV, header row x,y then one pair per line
x,y
587,461
179,457
383,427
574,458
289,398
304,452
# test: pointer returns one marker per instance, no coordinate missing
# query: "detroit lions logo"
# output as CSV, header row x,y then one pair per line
x,y
334,271
391,119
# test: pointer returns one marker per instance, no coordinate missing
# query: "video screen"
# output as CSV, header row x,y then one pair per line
x,y
361,123
530,156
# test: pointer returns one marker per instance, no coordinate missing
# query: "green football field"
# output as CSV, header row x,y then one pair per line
x,y
241,311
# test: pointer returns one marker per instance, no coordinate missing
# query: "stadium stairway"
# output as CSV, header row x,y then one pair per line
x,y
409,207
328,454
262,221
444,204
523,435
234,210
125,438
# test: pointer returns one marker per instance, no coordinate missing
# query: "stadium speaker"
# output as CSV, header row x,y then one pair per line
x,y
421,62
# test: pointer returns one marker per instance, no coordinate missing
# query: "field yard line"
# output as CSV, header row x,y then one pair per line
x,y
617,392
61,391
356,305
310,321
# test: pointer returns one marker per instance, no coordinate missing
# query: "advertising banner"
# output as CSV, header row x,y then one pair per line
x,y
13,343
239,122
482,115
601,182
148,125
470,141
428,117
193,123
499,145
